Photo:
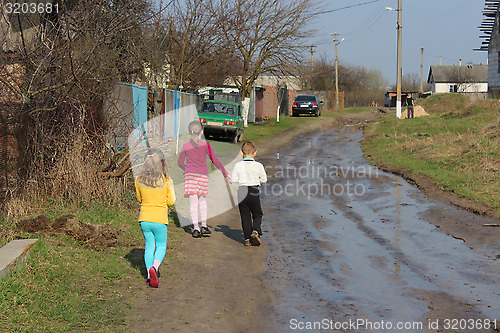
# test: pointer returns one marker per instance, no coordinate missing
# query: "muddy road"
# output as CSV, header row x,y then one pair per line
x,y
354,249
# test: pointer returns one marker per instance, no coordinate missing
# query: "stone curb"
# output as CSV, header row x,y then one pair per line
x,y
14,254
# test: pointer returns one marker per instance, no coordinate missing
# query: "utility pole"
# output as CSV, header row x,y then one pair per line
x,y
399,77
336,71
312,57
422,70
336,75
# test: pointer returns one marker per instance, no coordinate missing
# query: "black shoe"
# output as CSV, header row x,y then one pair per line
x,y
196,233
205,231
255,238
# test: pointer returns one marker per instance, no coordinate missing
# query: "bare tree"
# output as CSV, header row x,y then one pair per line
x,y
61,66
411,82
263,36
196,49
360,85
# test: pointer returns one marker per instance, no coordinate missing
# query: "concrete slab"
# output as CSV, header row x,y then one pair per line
x,y
13,254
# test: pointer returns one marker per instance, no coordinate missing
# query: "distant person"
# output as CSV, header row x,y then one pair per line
x,y
155,195
249,175
409,106
193,161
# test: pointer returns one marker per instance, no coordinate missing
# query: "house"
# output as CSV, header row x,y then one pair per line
x,y
458,79
490,28
270,95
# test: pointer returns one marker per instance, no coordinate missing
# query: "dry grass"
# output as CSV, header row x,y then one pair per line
x,y
457,145
73,179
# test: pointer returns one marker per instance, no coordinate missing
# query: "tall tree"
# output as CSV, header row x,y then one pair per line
x,y
360,85
263,36
197,51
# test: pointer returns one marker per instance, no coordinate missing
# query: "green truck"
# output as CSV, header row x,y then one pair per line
x,y
222,119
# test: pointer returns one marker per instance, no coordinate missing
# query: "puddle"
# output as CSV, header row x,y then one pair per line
x,y
365,252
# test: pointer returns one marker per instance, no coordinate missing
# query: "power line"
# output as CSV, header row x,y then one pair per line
x,y
439,16
347,7
367,25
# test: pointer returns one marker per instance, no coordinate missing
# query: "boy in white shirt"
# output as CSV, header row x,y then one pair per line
x,y
249,175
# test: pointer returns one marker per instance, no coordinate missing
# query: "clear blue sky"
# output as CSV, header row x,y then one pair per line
x,y
447,28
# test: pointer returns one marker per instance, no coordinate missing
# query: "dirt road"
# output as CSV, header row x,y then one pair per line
x,y
346,246
360,250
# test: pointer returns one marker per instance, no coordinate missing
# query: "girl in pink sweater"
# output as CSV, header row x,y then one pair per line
x,y
193,161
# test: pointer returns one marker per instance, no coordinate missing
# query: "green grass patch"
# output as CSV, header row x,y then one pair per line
x,y
457,145
66,287
259,132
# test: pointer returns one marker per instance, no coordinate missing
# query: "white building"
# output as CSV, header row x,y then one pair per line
x,y
458,79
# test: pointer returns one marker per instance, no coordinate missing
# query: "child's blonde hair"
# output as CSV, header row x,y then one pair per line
x,y
154,169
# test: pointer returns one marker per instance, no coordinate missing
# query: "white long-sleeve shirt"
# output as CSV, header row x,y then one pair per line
x,y
249,173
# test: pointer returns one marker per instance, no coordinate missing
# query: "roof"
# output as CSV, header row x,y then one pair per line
x,y
458,74
486,27
292,82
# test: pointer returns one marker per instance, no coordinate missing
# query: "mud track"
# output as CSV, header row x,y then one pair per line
x,y
390,254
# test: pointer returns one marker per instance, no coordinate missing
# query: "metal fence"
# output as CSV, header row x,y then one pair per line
x,y
180,109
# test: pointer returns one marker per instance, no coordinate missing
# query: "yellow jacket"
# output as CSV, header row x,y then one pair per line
x,y
154,202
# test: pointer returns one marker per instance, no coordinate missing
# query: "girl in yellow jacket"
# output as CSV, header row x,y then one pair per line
x,y
152,191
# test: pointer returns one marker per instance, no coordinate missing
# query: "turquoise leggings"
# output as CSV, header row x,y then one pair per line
x,y
155,237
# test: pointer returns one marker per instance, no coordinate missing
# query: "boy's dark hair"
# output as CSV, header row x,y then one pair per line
x,y
248,148
195,127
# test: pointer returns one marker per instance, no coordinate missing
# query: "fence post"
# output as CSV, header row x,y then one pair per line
x,y
176,122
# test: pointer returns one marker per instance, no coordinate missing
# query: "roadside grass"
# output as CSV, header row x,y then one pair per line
x,y
65,286
270,128
457,145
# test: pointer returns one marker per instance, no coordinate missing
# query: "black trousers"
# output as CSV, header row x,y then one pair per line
x,y
250,209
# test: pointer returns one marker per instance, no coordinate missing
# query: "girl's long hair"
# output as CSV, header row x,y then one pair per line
x,y
154,169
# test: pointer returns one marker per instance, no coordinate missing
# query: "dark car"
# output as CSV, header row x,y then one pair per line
x,y
222,119
307,104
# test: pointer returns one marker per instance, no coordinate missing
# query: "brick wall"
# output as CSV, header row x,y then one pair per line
x,y
270,101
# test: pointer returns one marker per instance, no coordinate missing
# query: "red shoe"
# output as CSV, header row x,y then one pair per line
x,y
154,277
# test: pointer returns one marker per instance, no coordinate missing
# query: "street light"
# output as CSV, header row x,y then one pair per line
x,y
399,71
337,71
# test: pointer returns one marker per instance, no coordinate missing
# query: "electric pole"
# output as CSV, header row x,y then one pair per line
x,y
422,70
336,75
399,76
336,71
312,56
